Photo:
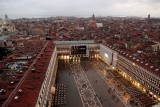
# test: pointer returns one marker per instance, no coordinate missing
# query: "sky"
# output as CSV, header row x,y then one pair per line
x,y
78,8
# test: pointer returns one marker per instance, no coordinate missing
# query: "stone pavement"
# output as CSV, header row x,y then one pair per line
x,y
113,84
85,87
87,94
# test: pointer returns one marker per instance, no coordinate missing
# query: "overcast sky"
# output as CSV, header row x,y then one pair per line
x,y
80,8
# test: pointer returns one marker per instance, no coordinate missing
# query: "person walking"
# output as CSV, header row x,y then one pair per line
x,y
95,95
117,100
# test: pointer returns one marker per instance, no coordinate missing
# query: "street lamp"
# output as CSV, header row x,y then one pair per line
x,y
133,64
113,68
53,92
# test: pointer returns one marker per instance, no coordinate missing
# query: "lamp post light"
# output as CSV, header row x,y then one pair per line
x,y
52,91
20,91
16,98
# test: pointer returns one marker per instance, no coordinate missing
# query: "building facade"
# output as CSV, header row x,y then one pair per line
x,y
140,77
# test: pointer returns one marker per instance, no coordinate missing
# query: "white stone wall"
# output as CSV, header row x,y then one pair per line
x,y
108,55
115,54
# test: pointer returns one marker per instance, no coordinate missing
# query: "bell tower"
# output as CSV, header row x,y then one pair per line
x,y
93,18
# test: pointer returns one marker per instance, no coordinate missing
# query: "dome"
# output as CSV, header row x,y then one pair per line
x,y
92,23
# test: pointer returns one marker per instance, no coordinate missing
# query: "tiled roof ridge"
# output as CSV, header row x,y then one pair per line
x,y
147,65
21,81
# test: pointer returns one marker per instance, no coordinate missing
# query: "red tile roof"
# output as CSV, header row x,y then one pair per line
x,y
30,83
143,63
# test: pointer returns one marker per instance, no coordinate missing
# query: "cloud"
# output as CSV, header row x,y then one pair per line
x,y
45,8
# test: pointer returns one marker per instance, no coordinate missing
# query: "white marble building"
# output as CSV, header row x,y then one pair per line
x,y
6,25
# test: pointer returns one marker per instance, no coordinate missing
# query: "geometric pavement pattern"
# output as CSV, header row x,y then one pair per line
x,y
86,92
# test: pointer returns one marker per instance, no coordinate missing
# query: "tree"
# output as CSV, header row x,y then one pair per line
x,y
4,77
4,52
158,54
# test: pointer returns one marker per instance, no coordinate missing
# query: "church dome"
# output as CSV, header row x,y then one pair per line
x,y
92,23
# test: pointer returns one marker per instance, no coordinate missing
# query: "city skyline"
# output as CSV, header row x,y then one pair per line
x,y
72,61
83,8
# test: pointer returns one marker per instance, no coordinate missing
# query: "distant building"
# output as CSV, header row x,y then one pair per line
x,y
93,18
1,22
6,25
99,25
92,24
80,28
149,16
